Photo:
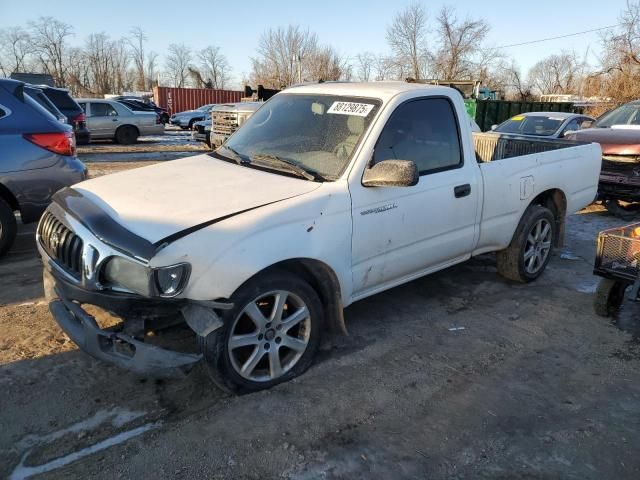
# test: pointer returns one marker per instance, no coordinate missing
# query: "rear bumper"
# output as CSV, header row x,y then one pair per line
x,y
117,348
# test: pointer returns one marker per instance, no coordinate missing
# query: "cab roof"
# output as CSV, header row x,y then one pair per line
x,y
382,90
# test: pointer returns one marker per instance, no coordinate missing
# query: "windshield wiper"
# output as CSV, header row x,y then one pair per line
x,y
238,158
288,165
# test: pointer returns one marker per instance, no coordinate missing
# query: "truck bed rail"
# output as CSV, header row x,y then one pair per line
x,y
493,146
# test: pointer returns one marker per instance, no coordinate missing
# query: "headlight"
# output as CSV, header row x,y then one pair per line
x,y
130,275
149,282
170,281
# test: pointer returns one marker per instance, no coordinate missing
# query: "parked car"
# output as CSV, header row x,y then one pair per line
x,y
139,105
38,95
186,119
543,124
202,131
74,113
108,119
328,194
37,158
618,133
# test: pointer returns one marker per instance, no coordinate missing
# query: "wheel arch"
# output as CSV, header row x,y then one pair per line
x,y
8,197
323,280
555,200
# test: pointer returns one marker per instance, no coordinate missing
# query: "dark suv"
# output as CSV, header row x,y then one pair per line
x,y
37,158
61,98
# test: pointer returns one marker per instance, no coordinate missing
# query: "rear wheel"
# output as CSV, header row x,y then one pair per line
x,y
126,135
270,336
624,211
609,297
529,252
7,227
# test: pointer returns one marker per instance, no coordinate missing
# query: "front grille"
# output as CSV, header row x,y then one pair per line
x,y
619,252
621,164
62,245
224,123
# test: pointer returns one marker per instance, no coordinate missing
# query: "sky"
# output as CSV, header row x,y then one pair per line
x,y
351,26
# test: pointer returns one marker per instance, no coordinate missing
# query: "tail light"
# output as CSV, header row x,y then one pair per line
x,y
81,117
62,143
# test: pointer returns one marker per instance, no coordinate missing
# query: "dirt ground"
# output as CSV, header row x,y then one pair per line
x,y
457,375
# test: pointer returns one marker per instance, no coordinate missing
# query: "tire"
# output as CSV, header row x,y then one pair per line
x,y
515,262
608,297
126,135
251,366
191,122
624,212
8,227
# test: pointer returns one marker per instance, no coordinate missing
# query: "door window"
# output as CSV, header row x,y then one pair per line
x,y
103,110
573,126
424,131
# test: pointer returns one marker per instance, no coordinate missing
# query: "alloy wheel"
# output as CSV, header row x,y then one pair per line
x,y
538,246
269,336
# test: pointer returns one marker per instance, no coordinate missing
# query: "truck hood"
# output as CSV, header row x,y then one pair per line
x,y
168,198
613,141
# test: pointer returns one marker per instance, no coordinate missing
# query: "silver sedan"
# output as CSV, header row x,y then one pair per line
x,y
108,119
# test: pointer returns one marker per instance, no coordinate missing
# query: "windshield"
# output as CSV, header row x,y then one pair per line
x,y
624,115
531,125
317,133
204,108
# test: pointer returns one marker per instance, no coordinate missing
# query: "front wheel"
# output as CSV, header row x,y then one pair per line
x,y
270,335
529,252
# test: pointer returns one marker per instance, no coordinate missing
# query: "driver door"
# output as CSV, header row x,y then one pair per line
x,y
401,232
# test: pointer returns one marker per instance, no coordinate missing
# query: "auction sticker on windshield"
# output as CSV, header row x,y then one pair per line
x,y
351,108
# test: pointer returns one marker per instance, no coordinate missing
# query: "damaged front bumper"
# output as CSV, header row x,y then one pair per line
x,y
120,348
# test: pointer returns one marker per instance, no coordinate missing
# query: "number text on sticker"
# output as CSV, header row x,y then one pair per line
x,y
351,108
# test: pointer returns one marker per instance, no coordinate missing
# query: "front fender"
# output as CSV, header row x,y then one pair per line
x,y
315,226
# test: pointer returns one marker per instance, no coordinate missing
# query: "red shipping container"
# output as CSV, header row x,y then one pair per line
x,y
180,99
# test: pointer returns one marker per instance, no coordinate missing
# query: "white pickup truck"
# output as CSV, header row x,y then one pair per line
x,y
328,194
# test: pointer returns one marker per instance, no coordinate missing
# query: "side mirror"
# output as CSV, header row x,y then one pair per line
x,y
391,173
493,127
586,124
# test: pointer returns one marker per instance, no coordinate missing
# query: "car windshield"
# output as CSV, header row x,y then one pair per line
x,y
204,108
624,115
317,133
531,125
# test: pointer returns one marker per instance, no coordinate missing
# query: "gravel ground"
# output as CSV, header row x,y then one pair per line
x,y
457,375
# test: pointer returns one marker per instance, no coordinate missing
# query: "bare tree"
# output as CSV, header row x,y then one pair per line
x,y
49,41
407,38
327,64
177,63
507,78
283,56
15,48
559,74
107,65
215,67
150,69
460,44
619,70
365,65
136,43
385,68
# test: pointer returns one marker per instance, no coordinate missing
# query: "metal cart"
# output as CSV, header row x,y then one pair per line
x,y
618,263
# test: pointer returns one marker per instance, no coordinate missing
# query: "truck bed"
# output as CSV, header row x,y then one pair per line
x,y
493,146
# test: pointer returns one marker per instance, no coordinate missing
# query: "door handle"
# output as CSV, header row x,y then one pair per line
x,y
114,120
462,190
